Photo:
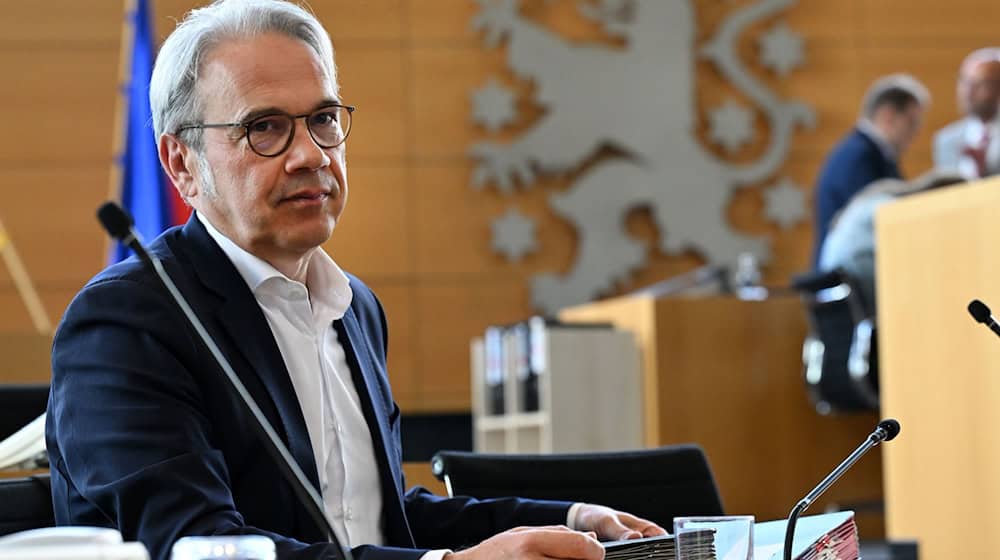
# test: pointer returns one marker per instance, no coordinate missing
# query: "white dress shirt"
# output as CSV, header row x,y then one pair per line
x,y
301,318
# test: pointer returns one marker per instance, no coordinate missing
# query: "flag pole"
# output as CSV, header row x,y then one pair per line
x,y
129,8
22,282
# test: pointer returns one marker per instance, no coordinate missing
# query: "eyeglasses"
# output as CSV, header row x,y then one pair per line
x,y
270,135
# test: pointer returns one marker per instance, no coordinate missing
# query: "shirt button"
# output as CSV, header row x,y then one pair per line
x,y
349,514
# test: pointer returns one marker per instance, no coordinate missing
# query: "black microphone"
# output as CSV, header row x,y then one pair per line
x,y
119,225
982,314
885,431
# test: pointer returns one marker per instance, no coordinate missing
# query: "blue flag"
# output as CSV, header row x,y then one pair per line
x,y
145,192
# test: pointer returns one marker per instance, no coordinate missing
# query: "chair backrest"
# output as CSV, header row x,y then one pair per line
x,y
840,363
657,484
25,503
19,405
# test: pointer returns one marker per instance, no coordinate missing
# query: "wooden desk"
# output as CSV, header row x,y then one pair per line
x,y
726,374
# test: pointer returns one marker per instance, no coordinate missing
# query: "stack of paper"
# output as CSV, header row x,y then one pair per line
x,y
698,545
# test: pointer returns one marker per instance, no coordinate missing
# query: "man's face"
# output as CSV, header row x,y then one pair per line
x,y
905,125
979,89
278,208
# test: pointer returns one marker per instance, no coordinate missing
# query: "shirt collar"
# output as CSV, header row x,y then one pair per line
x,y
326,283
869,129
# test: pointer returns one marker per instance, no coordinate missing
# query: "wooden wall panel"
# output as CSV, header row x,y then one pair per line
x,y
59,105
373,239
414,228
372,79
64,23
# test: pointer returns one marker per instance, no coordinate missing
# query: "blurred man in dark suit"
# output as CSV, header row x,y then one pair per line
x,y
143,432
891,115
971,146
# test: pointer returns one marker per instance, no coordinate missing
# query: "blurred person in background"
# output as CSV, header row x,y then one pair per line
x,y
891,115
971,146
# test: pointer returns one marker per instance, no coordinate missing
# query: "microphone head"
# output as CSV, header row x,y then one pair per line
x,y
116,221
979,311
891,428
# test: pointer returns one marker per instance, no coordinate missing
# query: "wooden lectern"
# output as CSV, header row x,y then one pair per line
x,y
940,370
726,374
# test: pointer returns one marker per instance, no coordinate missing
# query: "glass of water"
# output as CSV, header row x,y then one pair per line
x,y
237,547
728,537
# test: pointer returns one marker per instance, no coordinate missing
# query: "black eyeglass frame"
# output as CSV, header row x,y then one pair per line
x,y
288,141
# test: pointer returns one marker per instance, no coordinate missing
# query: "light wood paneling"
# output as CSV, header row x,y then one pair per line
x,y
450,313
929,22
374,237
58,105
940,371
372,79
62,24
25,357
50,214
14,317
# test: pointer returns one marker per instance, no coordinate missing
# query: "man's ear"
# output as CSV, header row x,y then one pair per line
x,y
177,160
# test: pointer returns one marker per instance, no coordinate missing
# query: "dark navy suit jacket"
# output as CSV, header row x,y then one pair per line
x,y
144,434
855,163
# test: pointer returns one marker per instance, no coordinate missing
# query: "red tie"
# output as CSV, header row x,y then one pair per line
x,y
978,153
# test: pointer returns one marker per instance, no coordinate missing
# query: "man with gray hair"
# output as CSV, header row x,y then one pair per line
x,y
143,432
891,114
971,146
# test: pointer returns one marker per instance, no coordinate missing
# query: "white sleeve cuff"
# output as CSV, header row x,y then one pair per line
x,y
435,555
571,515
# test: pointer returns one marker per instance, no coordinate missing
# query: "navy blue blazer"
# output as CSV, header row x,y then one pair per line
x,y
145,436
855,163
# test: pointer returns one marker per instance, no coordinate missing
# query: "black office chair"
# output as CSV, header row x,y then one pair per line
x,y
657,484
840,354
25,503
19,405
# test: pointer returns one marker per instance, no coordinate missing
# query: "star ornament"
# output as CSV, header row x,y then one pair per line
x,y
731,125
785,204
781,50
493,106
514,235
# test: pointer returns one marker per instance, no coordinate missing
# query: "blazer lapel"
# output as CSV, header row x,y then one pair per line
x,y
366,375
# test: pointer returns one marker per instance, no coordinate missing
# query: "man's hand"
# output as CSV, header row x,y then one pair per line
x,y
614,525
531,543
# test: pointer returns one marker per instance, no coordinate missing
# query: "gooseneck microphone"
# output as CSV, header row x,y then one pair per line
x,y
118,224
982,314
885,431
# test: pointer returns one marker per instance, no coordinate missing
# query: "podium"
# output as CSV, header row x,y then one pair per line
x,y
726,373
940,371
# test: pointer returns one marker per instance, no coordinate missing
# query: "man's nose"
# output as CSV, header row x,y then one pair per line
x,y
305,153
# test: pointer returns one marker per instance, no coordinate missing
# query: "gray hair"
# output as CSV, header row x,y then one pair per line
x,y
896,90
978,56
172,94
